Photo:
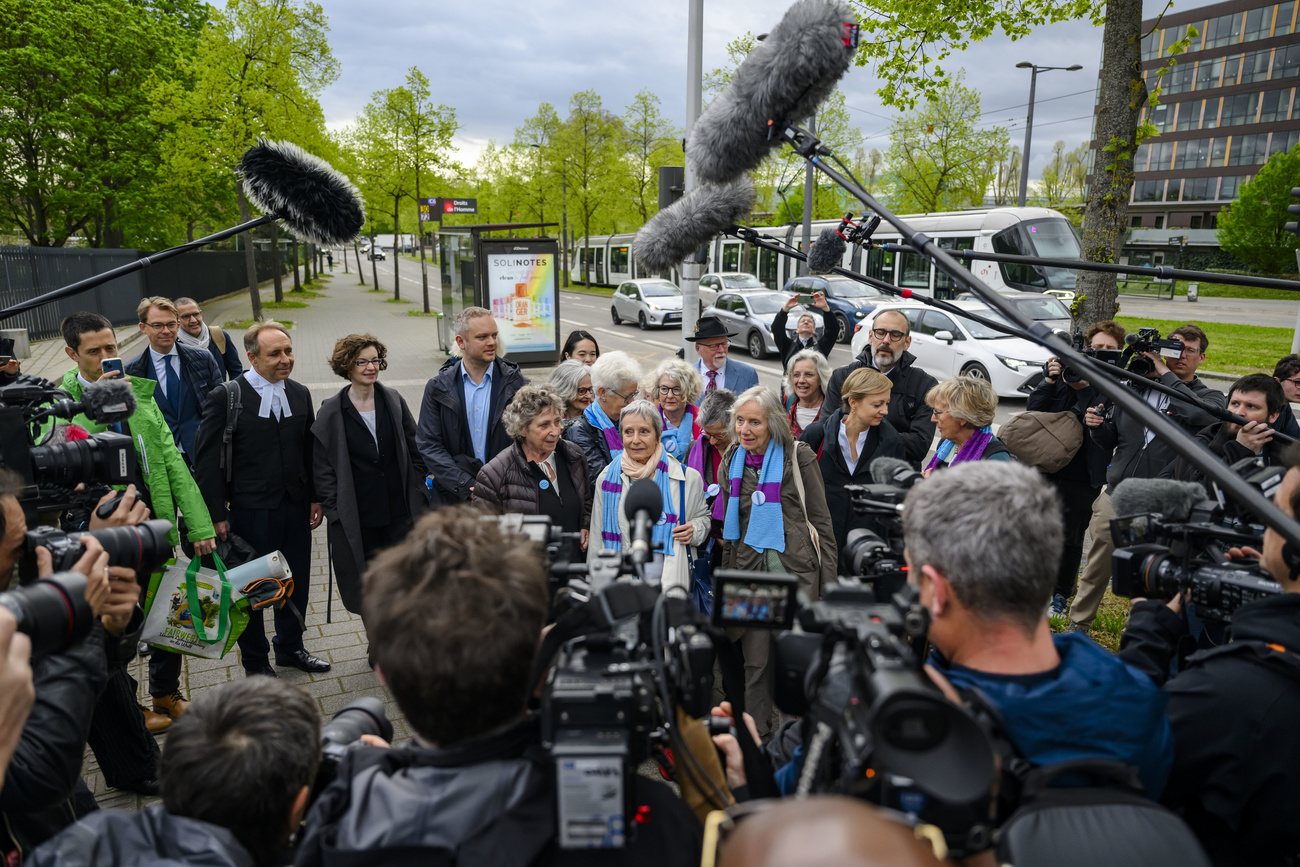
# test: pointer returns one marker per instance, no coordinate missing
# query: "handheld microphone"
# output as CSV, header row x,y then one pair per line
x,y
305,194
643,506
893,471
691,222
1171,499
782,81
826,252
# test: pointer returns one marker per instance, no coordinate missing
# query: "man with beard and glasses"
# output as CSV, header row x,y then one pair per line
x,y
886,352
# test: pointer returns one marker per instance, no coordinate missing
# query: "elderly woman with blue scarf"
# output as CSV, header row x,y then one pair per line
x,y
685,517
676,386
772,505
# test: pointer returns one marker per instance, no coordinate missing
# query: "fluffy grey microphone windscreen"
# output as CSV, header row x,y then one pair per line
x,y
1174,500
691,222
782,81
827,252
108,401
883,470
307,195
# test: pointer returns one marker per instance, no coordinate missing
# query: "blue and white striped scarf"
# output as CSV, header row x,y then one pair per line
x,y
766,527
609,429
611,506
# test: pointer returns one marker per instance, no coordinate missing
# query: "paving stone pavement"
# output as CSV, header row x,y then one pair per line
x,y
343,307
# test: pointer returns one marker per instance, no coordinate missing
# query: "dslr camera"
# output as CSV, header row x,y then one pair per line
x,y
1147,340
1069,375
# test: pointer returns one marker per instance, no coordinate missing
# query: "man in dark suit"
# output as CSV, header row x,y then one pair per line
x,y
712,340
460,426
184,375
197,334
263,491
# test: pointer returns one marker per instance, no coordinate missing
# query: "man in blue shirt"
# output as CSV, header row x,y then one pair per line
x,y
460,418
983,544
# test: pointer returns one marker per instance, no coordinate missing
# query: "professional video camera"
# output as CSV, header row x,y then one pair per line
x,y
52,471
875,556
1170,539
1106,356
1147,340
364,716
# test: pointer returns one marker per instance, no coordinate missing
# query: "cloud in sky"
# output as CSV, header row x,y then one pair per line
x,y
494,63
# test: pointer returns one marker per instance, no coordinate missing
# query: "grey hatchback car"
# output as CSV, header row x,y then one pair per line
x,y
651,302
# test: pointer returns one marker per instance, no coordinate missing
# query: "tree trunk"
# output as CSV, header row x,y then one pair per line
x,y
397,246
275,261
250,261
374,269
356,250
297,261
307,263
1105,219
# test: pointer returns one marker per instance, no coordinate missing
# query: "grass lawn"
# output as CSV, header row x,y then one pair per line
x,y
1214,290
245,324
1233,348
1109,624
591,290
431,314
398,300
283,305
303,293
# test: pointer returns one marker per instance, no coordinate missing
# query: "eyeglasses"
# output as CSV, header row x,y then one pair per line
x,y
197,314
674,390
891,334
1295,381
714,346
587,392
164,326
366,362
716,437
627,398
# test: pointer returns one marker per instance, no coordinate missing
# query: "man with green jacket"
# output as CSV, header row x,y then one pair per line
x,y
90,339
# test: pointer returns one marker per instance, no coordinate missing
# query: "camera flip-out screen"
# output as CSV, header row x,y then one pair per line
x,y
754,600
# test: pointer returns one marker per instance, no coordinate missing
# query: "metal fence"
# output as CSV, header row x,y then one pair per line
x,y
26,272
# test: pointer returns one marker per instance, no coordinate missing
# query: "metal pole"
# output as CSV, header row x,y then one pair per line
x,y
809,174
564,220
1029,131
692,271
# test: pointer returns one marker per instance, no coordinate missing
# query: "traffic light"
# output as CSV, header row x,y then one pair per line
x,y
1294,209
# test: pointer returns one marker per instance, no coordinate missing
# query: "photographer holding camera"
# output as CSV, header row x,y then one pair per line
x,y
1236,771
236,774
455,616
1138,454
43,790
1081,480
1255,397
983,544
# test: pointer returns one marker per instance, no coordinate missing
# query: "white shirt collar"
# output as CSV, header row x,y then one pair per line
x,y
269,392
85,383
157,354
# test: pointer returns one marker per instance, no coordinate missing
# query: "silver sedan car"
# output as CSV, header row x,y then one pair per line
x,y
749,315
651,302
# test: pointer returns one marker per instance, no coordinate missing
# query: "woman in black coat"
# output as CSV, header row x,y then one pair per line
x,y
847,442
369,474
540,474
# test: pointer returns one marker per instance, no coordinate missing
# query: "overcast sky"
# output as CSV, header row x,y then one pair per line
x,y
494,62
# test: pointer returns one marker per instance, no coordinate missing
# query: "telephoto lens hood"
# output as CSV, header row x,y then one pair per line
x,y
52,611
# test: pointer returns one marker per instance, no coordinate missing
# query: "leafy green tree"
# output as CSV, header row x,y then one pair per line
x,y
1252,227
940,159
256,72
539,166
650,141
1063,177
589,138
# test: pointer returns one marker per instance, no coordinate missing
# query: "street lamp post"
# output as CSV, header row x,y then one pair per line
x,y
564,213
1029,121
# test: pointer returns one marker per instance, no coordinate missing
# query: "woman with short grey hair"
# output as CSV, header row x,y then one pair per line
x,y
715,438
572,381
963,410
772,505
614,378
540,474
685,519
675,386
807,375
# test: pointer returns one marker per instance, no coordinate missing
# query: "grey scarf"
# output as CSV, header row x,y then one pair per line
x,y
197,342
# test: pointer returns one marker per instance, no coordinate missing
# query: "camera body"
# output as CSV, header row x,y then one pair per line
x,y
142,547
1069,375
342,734
1147,340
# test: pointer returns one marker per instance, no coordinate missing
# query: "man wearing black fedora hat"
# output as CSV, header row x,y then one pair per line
x,y
711,341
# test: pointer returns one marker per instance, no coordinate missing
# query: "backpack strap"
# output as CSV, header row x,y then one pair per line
x,y
233,406
217,336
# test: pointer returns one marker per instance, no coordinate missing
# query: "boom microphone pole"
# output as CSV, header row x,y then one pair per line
x,y
301,192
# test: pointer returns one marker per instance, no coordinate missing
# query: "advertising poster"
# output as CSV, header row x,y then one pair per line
x,y
521,293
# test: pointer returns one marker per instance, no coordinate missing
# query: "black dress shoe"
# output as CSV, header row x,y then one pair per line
x,y
301,660
147,787
264,670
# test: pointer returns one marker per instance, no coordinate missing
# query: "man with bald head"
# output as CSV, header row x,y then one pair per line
x,y
886,351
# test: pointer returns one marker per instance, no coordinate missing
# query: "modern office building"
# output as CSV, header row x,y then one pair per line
x,y
1227,106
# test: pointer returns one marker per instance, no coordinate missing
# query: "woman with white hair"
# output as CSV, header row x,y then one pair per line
x,y
963,410
572,382
807,374
614,379
774,519
675,386
685,517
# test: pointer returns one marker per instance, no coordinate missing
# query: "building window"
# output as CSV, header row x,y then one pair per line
x,y
1140,157
1239,109
1151,46
1148,191
1136,222
1195,222
1189,115
1286,62
1175,186
1248,150
1282,23
1181,78
1192,154
1258,23
1276,105
1228,188
1162,156
1211,118
1224,30
1208,73
1160,221
1163,117
1255,65
1282,141
1219,151
1199,190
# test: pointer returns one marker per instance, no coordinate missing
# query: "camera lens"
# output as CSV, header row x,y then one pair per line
x,y
365,716
143,547
103,459
52,611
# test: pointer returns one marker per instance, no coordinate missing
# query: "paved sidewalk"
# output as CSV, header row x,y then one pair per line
x,y
344,307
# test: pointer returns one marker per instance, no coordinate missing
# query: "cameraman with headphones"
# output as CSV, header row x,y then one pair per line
x,y
1234,709
455,616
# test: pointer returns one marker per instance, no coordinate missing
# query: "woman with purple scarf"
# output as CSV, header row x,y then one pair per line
x,y
963,409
